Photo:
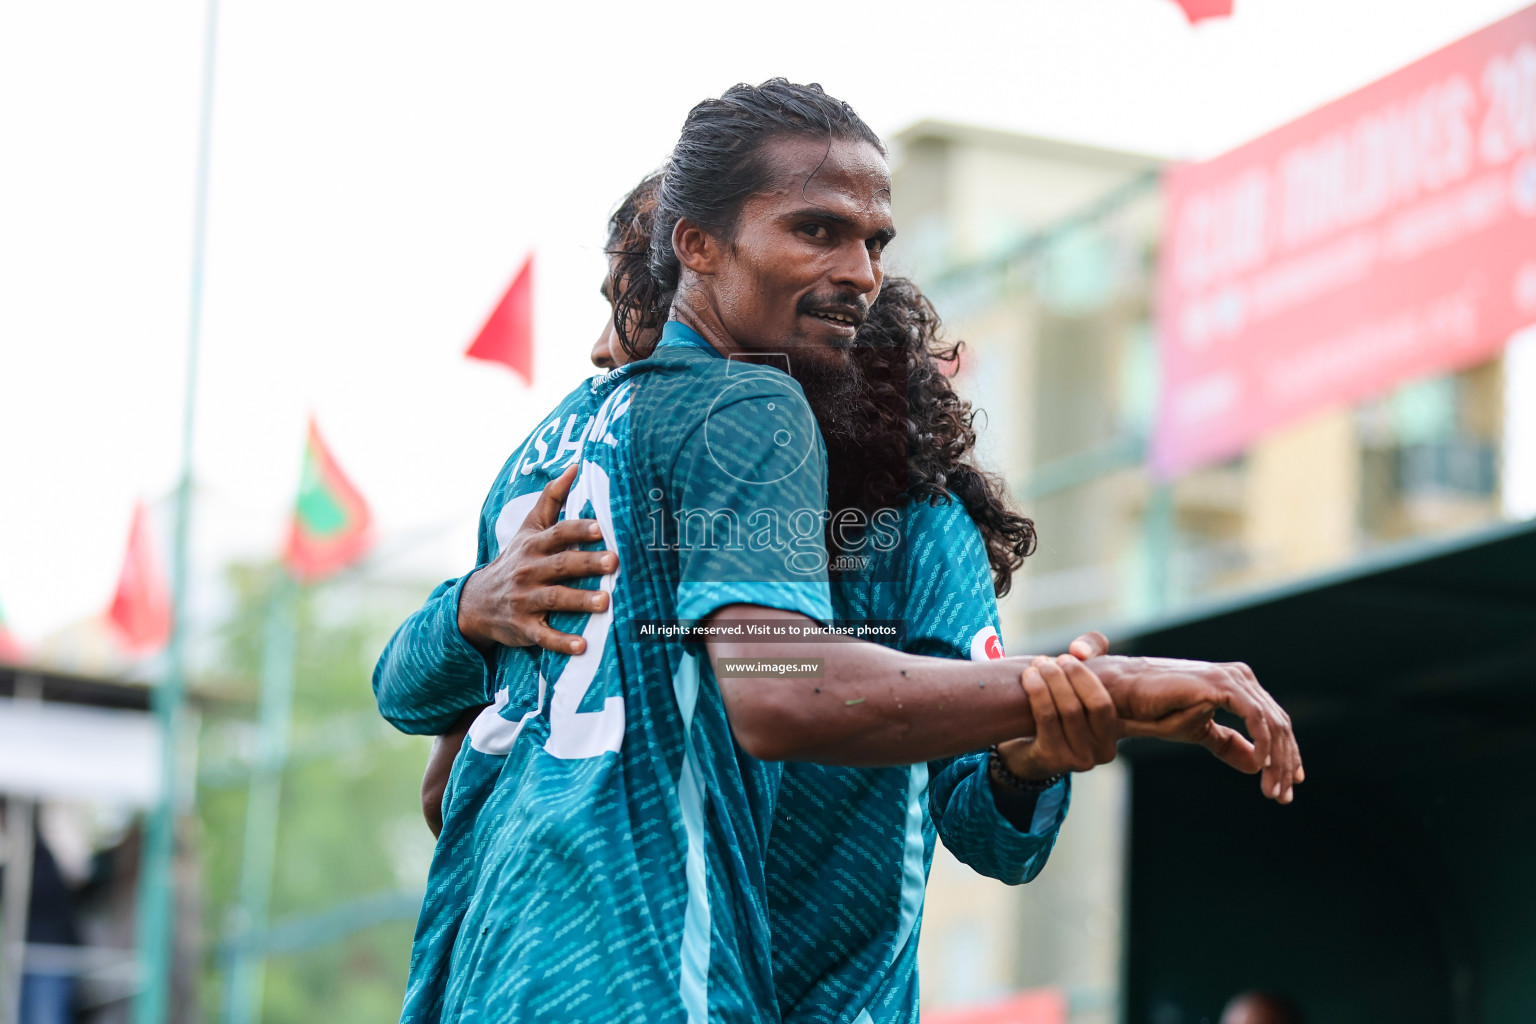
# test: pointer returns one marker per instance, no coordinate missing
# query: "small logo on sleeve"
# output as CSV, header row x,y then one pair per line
x,y
986,645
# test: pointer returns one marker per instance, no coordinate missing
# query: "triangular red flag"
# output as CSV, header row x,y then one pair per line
x,y
507,336
1195,10
330,518
141,608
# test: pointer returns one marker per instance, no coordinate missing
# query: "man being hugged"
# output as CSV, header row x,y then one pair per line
x,y
623,876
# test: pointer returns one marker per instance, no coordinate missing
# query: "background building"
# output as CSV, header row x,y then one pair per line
x,y
1042,255
1039,255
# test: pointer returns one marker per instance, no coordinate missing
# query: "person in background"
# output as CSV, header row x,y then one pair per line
x,y
51,920
1261,1008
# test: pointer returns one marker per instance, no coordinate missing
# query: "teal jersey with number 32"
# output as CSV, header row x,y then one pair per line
x,y
604,837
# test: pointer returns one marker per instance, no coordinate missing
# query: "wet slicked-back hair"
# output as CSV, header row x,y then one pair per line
x,y
919,442
715,167
629,246
629,229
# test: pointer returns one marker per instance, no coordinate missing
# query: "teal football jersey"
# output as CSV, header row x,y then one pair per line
x,y
604,838
850,850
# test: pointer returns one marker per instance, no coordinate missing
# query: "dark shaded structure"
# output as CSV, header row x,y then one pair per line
x,y
73,944
1399,886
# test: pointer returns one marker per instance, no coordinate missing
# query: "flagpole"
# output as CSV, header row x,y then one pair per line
x,y
330,531
157,888
245,967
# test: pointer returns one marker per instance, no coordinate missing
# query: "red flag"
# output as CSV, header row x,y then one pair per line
x,y
141,608
1195,10
507,336
330,519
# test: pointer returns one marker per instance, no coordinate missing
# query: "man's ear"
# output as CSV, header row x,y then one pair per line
x,y
697,250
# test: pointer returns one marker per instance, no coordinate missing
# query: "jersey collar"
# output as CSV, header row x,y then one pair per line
x,y
677,334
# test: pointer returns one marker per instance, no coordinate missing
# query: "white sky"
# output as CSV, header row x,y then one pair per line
x,y
379,170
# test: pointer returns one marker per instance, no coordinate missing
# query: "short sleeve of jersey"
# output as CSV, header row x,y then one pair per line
x,y
950,608
747,497
951,612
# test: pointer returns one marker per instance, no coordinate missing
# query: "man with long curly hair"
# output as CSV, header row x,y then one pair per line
x,y
846,900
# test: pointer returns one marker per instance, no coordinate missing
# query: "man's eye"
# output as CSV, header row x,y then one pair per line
x,y
876,245
817,231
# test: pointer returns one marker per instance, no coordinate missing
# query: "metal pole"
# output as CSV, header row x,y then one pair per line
x,y
156,904
245,968
19,817
1159,537
21,837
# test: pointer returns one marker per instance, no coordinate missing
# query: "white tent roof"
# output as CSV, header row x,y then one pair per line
x,y
54,750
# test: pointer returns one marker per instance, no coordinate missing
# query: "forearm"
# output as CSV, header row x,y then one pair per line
x,y
871,705
428,674
434,780
875,706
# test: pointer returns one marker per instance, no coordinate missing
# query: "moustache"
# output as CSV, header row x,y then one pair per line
x,y
851,305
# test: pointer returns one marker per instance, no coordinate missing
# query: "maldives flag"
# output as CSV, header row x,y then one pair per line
x,y
141,608
330,519
507,336
1195,10
11,651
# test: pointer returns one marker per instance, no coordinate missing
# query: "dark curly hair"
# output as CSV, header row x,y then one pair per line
x,y
921,439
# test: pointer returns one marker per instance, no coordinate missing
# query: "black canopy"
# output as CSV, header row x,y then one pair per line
x,y
1398,887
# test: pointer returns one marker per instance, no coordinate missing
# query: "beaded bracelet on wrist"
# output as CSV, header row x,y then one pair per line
x,y
1012,781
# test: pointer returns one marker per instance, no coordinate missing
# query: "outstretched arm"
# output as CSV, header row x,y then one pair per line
x,y
875,706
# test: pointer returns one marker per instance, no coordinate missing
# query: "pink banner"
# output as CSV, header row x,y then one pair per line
x,y
1035,1006
1388,235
